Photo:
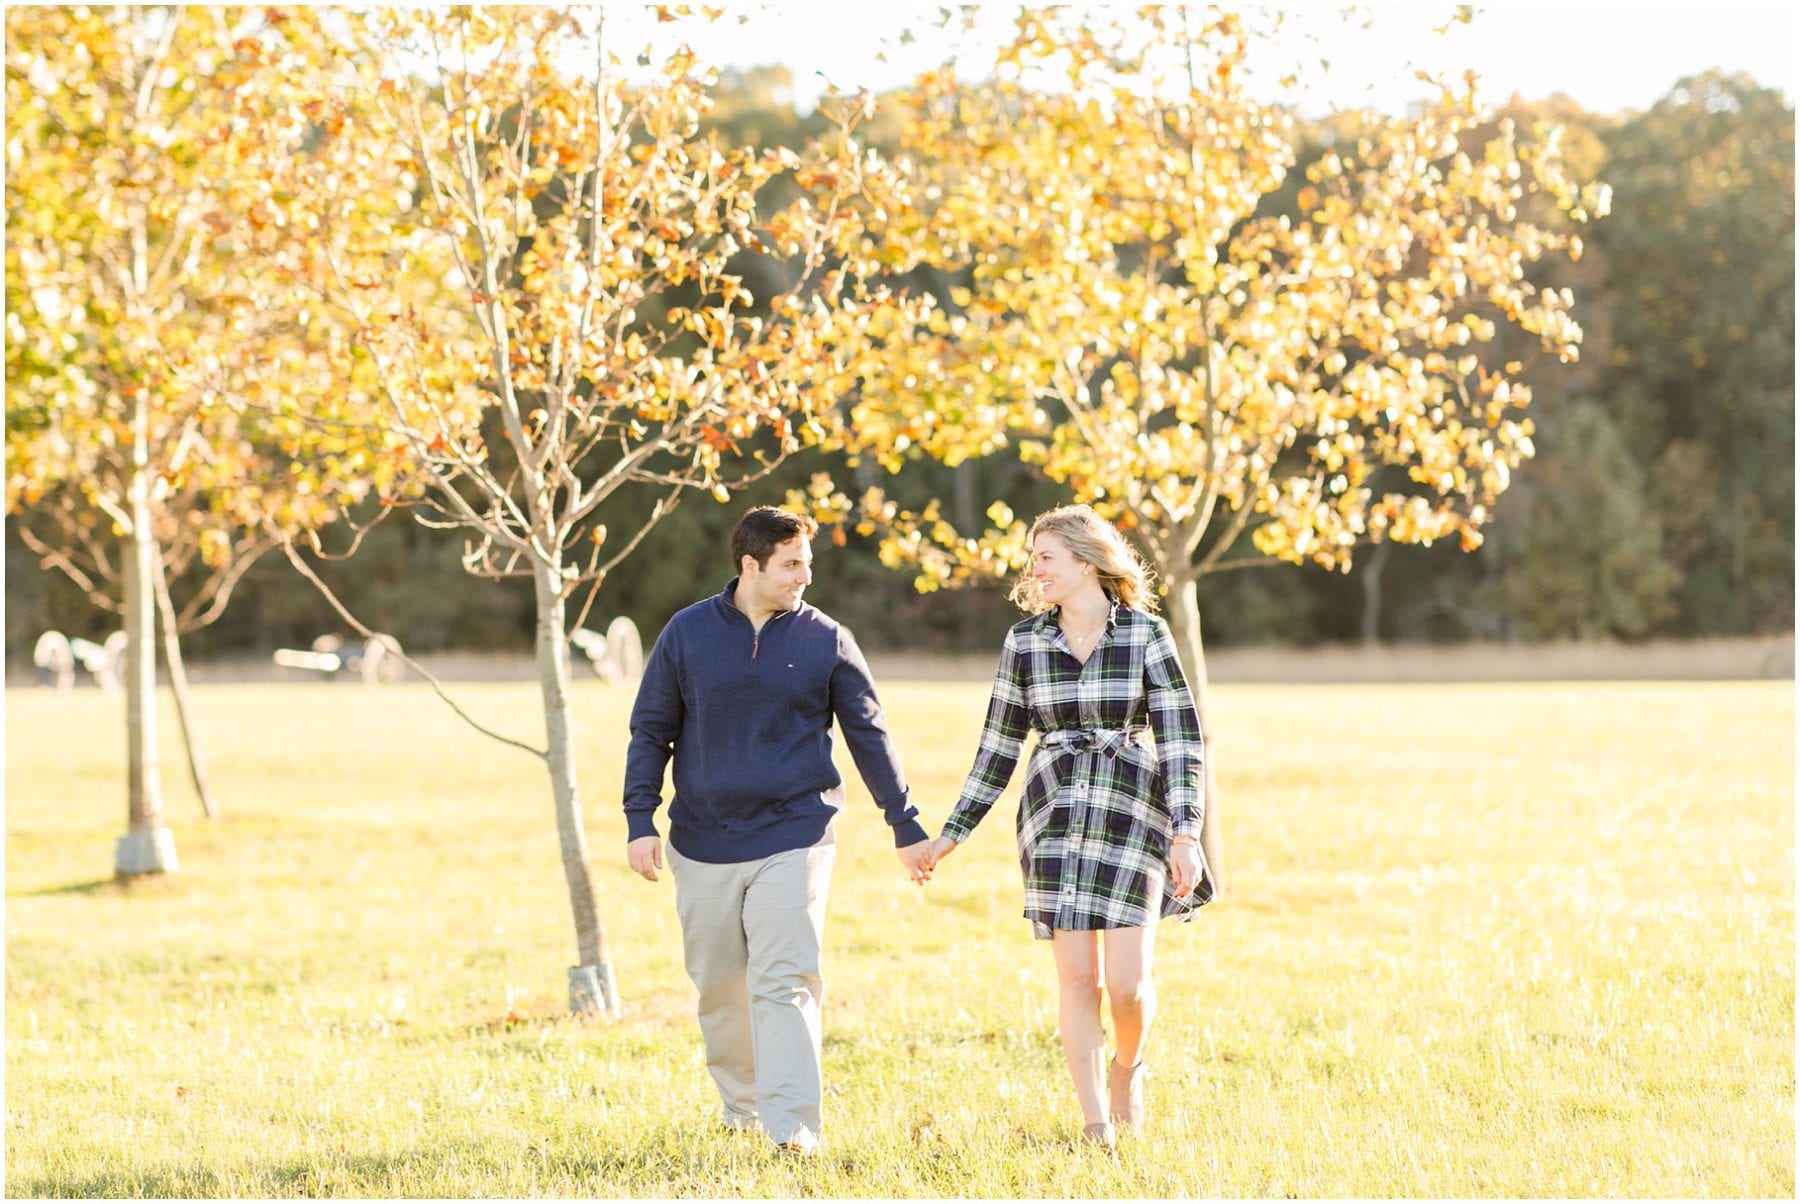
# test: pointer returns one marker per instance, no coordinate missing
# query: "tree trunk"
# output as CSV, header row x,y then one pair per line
x,y
1184,626
1370,572
968,607
148,847
178,686
591,984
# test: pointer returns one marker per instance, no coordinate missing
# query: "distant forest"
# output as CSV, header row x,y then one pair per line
x,y
1660,502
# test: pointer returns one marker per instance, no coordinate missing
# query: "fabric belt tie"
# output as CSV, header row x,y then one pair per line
x,y
1108,740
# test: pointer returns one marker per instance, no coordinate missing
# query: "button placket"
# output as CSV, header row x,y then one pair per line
x,y
1083,771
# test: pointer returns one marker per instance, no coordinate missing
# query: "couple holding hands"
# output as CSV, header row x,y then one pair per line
x,y
741,691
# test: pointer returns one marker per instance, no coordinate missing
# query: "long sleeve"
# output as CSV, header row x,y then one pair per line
x,y
1180,748
860,717
656,719
1008,722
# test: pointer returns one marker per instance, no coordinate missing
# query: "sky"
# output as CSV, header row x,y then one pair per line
x,y
1608,57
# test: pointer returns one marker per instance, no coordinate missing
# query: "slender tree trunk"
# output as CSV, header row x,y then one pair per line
x,y
968,610
591,984
178,686
1184,626
1370,572
148,847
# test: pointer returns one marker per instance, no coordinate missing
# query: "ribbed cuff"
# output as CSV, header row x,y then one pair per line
x,y
639,824
908,832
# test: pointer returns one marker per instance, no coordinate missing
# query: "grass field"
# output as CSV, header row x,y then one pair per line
x,y
1519,940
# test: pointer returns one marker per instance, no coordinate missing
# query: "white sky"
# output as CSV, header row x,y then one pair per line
x,y
1608,56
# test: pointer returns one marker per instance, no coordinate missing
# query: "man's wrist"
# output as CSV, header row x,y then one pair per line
x,y
908,832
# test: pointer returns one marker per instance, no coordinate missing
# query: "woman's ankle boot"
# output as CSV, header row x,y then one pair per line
x,y
1128,1095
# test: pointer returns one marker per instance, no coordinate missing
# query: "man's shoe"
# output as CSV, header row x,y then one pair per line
x,y
801,1145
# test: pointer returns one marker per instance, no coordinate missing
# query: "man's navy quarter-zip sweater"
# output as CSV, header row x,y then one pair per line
x,y
746,716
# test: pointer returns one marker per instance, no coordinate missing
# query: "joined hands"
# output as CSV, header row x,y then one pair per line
x,y
921,859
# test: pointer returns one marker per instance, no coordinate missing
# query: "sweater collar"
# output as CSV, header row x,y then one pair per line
x,y
727,598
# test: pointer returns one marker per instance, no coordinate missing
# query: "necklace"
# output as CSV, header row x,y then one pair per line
x,y
1085,636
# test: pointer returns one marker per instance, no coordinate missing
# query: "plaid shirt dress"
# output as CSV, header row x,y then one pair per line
x,y
1115,774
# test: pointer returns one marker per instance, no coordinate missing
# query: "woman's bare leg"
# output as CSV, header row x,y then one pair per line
x,y
1078,1018
1132,994
1130,989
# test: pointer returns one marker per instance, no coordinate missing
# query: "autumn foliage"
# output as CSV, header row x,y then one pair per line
x,y
1228,373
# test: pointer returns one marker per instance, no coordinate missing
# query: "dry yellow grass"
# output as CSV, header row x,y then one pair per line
x,y
1518,940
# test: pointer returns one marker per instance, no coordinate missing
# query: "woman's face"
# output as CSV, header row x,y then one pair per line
x,y
1058,574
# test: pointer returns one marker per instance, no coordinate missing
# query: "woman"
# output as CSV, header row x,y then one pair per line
x,y
1109,826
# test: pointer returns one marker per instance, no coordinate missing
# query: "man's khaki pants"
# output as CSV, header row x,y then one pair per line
x,y
751,933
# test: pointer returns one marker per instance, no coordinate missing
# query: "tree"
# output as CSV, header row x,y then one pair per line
x,y
1595,568
534,268
1701,256
119,470
1438,592
1165,343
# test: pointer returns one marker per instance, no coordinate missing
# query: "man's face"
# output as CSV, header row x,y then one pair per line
x,y
778,585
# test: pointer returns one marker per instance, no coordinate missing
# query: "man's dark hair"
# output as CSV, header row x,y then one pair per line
x,y
762,528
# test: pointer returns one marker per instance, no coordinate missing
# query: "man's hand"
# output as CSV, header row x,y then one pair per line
x,y
917,860
645,855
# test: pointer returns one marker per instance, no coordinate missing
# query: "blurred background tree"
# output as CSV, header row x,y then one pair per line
x,y
1701,378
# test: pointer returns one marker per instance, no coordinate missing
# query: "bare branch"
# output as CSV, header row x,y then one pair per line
x,y
218,588
363,630
147,83
50,557
664,504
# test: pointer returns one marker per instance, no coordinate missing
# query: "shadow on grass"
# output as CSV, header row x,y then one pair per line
x,y
669,1160
122,886
150,886
340,1175
673,1158
165,1184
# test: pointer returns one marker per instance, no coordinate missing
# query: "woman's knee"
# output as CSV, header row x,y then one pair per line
x,y
1131,993
1079,982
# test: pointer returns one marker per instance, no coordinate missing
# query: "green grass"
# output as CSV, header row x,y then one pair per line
x,y
1521,940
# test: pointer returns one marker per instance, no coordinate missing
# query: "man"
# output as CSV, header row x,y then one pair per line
x,y
742,689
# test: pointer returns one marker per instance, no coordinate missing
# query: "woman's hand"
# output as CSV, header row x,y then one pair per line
x,y
941,848
1184,860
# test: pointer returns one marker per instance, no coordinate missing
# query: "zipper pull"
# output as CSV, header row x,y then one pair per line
x,y
755,643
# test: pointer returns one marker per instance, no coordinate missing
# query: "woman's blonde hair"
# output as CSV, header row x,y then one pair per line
x,y
1091,540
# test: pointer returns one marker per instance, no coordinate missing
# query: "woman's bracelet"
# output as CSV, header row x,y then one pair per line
x,y
1184,839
